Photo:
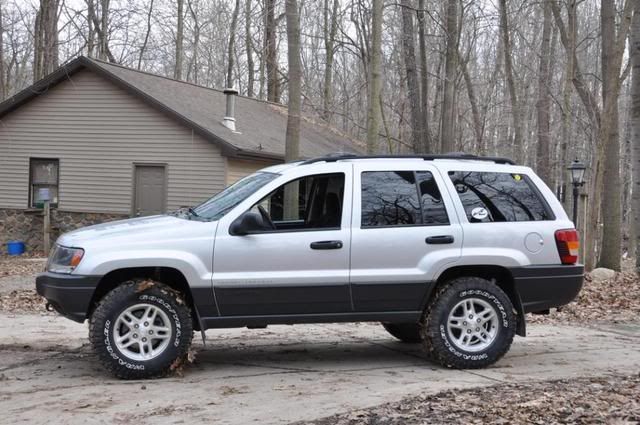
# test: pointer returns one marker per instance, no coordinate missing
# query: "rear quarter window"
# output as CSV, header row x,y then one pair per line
x,y
499,197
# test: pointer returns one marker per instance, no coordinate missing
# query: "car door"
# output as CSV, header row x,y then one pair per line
x,y
301,266
404,232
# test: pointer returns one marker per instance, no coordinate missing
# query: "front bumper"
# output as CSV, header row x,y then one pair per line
x,y
543,287
68,294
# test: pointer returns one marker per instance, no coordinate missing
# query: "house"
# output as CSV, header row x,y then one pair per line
x,y
111,142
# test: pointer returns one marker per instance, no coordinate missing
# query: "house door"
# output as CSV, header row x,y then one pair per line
x,y
150,190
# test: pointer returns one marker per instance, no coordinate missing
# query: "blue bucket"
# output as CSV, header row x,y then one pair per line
x,y
15,247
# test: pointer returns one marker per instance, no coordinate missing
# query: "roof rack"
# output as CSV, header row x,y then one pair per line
x,y
431,157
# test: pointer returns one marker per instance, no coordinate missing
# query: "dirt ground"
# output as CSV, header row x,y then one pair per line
x,y
574,367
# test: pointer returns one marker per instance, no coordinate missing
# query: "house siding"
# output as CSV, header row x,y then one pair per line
x,y
237,169
98,132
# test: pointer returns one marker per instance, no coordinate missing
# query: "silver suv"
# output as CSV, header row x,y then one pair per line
x,y
447,250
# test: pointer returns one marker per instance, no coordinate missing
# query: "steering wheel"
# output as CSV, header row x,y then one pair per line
x,y
266,218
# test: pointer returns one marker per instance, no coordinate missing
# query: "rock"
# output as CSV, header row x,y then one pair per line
x,y
601,274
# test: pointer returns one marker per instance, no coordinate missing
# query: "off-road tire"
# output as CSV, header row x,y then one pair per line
x,y
118,300
436,340
405,332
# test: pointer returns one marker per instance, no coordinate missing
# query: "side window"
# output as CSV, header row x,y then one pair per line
x,y
44,178
392,198
433,209
498,197
311,202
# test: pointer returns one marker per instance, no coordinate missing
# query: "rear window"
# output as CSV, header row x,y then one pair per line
x,y
499,197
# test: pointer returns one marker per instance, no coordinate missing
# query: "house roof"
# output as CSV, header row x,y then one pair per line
x,y
261,126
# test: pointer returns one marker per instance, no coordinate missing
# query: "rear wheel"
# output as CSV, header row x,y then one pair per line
x,y
141,330
470,323
405,332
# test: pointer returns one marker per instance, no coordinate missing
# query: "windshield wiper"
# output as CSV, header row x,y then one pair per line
x,y
193,212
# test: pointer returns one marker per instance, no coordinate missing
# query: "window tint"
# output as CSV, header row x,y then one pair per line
x,y
433,209
490,197
311,202
389,198
44,179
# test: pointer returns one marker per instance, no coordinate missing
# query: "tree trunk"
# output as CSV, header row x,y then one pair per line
x,y
292,143
177,72
330,30
375,77
517,141
91,36
447,126
232,43
635,129
249,48
271,53
611,233
473,101
427,143
46,39
103,48
146,36
413,87
3,84
292,140
543,106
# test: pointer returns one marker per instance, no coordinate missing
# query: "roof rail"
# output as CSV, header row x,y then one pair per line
x,y
430,157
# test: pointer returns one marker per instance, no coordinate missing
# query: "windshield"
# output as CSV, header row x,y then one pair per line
x,y
216,207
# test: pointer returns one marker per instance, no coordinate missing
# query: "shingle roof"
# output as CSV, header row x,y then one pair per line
x,y
261,125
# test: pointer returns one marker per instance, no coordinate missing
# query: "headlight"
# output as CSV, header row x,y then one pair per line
x,y
64,260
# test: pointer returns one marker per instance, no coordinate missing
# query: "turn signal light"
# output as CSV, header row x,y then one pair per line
x,y
568,243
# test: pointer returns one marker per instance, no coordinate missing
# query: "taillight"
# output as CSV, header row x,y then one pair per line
x,y
568,242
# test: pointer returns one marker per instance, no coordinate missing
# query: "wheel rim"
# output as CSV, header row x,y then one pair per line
x,y
472,325
142,332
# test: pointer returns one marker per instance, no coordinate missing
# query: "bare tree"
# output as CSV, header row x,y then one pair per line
x,y
330,27
516,142
232,43
146,36
448,120
177,73
271,52
635,126
413,85
543,106
427,143
375,76
249,48
46,39
292,145
3,84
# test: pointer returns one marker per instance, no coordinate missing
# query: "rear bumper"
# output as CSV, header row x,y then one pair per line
x,y
543,287
69,295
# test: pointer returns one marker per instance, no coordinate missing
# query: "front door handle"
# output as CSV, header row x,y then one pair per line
x,y
439,240
326,245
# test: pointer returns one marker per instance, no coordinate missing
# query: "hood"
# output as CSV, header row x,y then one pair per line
x,y
131,229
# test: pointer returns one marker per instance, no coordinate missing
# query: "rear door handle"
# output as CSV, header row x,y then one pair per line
x,y
439,240
326,245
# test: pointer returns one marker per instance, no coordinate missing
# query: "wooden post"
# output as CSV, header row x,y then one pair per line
x,y
47,227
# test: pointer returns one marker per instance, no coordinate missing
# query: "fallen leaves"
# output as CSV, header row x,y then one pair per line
x,y
612,399
22,301
21,266
613,300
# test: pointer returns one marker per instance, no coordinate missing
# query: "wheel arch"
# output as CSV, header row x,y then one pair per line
x,y
168,275
499,275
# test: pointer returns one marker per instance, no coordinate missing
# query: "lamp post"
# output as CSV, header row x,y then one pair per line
x,y
577,170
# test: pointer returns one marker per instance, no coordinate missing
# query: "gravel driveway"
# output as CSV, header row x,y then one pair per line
x,y
275,375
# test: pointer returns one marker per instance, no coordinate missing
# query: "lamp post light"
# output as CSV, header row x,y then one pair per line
x,y
577,170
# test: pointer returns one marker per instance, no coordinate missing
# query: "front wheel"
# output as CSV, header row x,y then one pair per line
x,y
469,324
141,329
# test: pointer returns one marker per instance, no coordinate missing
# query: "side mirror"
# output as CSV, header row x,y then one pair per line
x,y
247,223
